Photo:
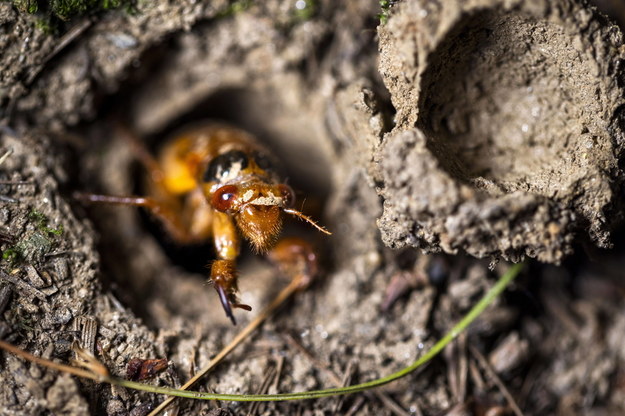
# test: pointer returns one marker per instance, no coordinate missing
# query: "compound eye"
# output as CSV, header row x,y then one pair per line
x,y
288,196
224,198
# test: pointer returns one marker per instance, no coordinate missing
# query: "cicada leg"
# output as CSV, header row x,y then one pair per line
x,y
142,154
295,258
166,214
223,270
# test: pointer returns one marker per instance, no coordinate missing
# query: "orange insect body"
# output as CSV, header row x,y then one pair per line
x,y
222,174
216,182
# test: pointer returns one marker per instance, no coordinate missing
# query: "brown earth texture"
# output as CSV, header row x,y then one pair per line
x,y
439,140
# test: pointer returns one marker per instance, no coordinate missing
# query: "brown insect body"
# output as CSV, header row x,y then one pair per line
x,y
216,182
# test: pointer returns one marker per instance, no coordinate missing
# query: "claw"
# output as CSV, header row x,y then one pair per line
x,y
242,306
224,279
223,297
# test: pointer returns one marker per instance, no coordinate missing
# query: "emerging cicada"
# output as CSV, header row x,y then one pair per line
x,y
216,182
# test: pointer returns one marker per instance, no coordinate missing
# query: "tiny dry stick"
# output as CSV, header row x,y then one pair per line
x,y
5,155
493,375
51,364
264,387
286,293
65,40
23,285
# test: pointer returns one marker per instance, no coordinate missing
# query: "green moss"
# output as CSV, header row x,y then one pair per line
x,y
235,7
31,248
45,26
385,12
26,6
41,222
26,325
66,9
300,10
304,10
11,255
20,319
35,244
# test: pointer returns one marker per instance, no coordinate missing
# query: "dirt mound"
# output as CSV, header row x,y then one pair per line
x,y
509,127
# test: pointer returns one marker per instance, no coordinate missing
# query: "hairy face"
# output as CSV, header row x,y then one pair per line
x,y
260,224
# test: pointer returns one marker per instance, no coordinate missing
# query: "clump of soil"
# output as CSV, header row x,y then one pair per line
x,y
404,149
509,115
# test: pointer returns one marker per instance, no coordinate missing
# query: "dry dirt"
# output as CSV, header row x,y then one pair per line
x,y
488,127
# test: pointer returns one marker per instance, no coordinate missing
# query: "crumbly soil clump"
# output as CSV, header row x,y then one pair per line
x,y
376,126
511,115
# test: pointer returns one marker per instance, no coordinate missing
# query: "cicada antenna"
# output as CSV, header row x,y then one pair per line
x,y
307,219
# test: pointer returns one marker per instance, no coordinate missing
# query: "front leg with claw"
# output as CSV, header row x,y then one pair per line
x,y
224,280
223,270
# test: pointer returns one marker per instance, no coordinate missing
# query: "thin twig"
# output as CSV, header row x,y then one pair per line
x,y
65,40
476,377
7,182
51,364
263,389
457,368
391,404
5,156
23,285
347,377
492,374
416,409
285,294
279,367
8,199
317,362
529,383
5,296
356,406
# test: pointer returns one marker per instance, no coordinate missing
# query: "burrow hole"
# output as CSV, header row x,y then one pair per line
x,y
508,103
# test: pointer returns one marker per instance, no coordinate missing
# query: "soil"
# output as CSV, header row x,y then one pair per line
x,y
436,144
